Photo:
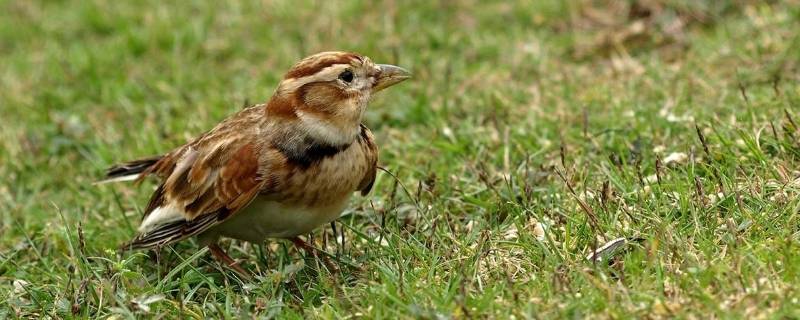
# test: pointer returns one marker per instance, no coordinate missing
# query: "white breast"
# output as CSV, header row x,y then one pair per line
x,y
264,219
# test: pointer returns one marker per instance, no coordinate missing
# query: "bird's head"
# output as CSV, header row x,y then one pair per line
x,y
326,94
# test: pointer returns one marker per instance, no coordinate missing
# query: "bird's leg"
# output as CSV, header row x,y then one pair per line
x,y
226,260
313,251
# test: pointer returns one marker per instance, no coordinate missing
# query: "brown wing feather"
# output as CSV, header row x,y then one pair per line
x,y
366,141
204,203
207,180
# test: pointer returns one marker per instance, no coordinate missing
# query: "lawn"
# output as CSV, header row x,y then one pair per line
x,y
532,133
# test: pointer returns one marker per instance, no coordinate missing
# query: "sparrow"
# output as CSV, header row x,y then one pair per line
x,y
278,169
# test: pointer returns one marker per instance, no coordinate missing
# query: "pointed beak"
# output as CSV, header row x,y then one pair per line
x,y
389,75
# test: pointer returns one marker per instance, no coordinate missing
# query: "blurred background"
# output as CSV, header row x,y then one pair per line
x,y
498,86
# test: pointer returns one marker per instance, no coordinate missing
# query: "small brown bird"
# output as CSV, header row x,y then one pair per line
x,y
273,170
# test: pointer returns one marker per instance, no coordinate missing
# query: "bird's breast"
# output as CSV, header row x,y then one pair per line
x,y
265,218
325,181
300,198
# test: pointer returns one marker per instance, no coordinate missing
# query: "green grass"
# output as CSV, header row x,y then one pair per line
x,y
507,98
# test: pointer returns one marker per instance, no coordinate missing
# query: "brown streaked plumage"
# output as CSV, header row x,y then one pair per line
x,y
273,170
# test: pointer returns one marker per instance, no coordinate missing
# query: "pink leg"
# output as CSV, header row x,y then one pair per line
x,y
313,251
226,260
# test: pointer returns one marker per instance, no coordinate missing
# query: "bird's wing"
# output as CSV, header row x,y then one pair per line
x,y
204,182
365,186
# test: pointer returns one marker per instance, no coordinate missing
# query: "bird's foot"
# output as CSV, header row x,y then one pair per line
x,y
226,260
316,253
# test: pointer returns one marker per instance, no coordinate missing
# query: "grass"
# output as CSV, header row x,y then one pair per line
x,y
532,133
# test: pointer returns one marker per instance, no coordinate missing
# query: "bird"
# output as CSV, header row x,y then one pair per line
x,y
278,169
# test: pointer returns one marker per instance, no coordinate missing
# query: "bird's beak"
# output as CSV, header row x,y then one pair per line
x,y
389,76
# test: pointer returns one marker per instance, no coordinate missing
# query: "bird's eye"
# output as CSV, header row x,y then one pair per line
x,y
346,76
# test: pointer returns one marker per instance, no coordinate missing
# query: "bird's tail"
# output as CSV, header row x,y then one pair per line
x,y
128,171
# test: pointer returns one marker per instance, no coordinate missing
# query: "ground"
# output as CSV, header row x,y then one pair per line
x,y
532,134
